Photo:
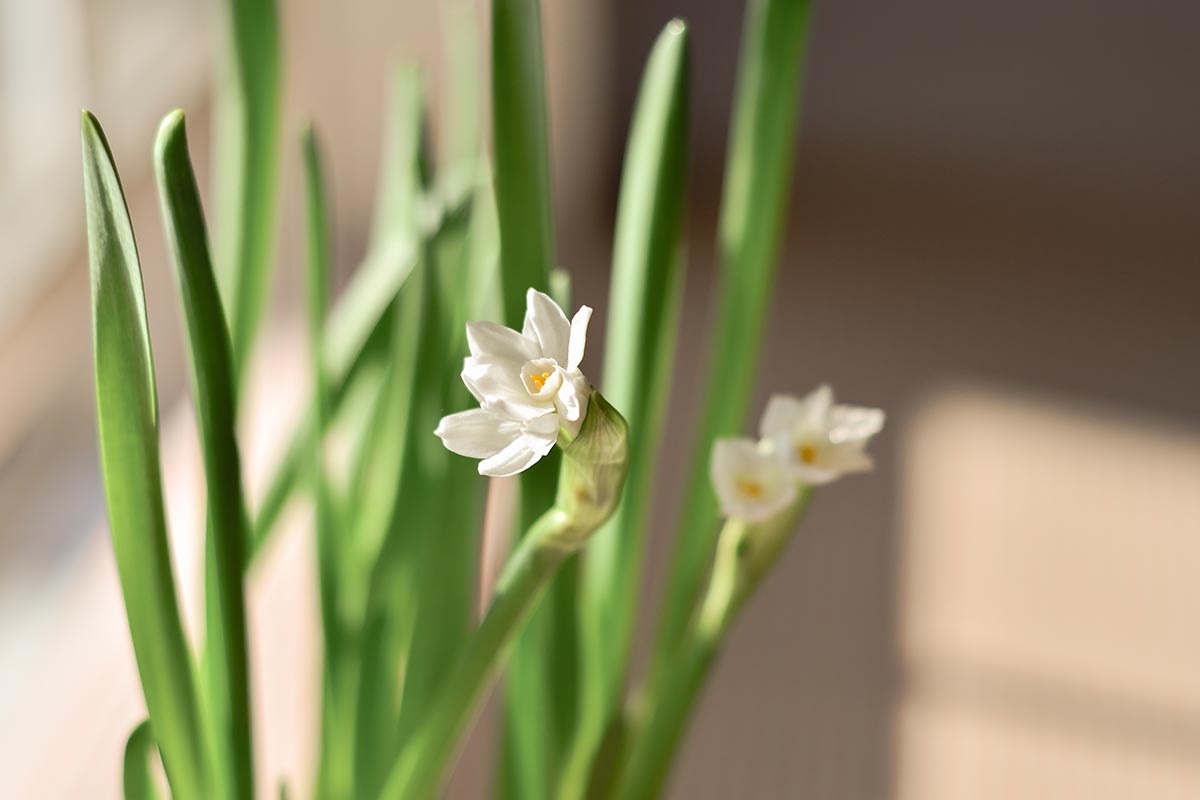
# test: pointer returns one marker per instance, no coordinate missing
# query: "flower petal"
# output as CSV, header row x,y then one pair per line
x,y
495,342
523,453
547,324
579,327
750,480
786,416
498,387
854,423
572,397
477,433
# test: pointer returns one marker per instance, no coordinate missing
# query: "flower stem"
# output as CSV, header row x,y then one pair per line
x,y
745,554
421,768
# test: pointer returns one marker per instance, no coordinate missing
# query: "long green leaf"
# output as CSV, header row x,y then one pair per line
x,y
247,163
757,181
359,325
382,597
523,199
212,371
336,761
642,326
521,141
137,775
127,413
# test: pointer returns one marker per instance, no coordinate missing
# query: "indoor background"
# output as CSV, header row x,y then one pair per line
x,y
993,235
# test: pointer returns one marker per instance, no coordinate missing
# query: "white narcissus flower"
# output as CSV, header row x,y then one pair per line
x,y
528,385
751,479
820,441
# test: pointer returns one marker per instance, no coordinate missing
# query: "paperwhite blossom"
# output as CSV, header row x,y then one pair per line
x,y
751,479
820,441
528,385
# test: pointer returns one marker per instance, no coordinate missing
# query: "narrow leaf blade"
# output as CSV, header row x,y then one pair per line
x,y
137,775
642,327
247,166
753,204
212,371
127,413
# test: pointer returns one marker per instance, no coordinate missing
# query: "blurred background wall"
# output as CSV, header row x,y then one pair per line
x,y
992,236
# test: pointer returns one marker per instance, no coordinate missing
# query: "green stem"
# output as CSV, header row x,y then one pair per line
x,y
754,199
421,768
745,555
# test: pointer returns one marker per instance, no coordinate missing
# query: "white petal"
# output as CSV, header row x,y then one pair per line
x,y
854,423
849,457
527,450
750,481
498,343
498,387
572,397
787,417
579,326
813,476
477,433
546,323
549,379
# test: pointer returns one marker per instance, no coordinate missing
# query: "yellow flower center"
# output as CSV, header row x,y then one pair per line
x,y
539,380
751,489
807,453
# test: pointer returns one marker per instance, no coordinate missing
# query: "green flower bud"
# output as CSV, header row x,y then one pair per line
x,y
593,473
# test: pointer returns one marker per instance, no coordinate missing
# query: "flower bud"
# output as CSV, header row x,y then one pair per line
x,y
593,472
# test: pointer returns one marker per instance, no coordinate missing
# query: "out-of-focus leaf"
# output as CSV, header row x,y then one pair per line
x,y
459,174
522,153
524,204
381,598
335,771
247,166
754,201
228,694
127,413
642,322
359,324
137,775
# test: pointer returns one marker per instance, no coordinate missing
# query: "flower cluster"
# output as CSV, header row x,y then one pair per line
x,y
807,441
528,385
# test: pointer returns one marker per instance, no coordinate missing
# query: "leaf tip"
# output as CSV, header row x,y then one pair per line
x,y
171,132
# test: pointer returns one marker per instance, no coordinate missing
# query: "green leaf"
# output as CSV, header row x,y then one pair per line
x,y
757,181
381,596
213,393
593,472
138,774
360,323
247,167
642,325
524,203
335,771
127,413
521,142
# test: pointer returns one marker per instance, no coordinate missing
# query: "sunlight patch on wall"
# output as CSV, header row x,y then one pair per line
x,y
1049,603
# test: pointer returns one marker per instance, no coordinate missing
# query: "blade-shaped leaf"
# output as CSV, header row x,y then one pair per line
x,y
212,372
521,142
335,771
247,166
757,182
642,326
524,203
137,774
127,413
359,324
